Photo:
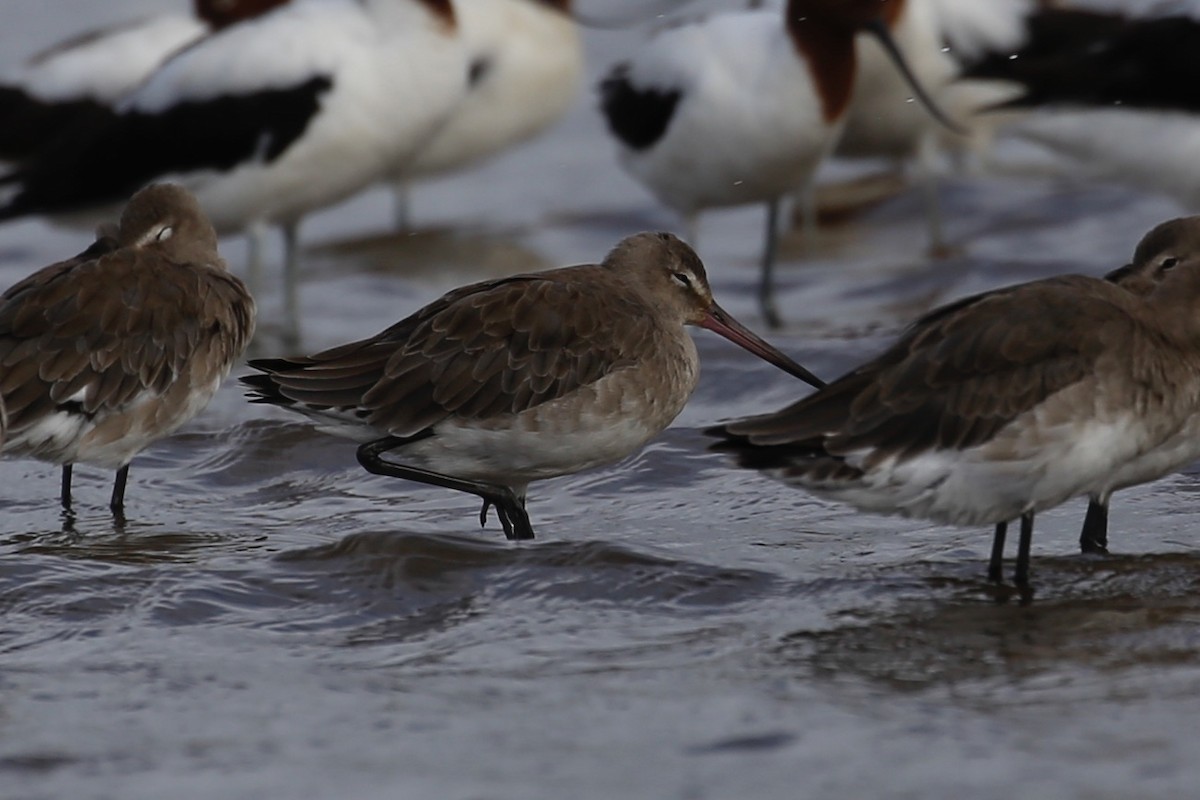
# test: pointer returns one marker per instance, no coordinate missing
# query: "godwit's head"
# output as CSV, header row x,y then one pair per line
x,y
1166,262
671,279
166,219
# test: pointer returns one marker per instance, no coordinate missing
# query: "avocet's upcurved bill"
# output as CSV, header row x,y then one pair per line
x,y
269,119
740,107
883,122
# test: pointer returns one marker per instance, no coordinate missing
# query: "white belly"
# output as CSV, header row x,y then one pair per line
x,y
1027,467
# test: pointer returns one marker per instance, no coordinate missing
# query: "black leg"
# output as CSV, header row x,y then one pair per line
x,y
766,285
501,514
1021,577
117,504
66,487
996,564
1094,536
509,508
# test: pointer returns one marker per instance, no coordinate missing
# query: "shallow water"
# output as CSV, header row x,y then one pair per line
x,y
274,622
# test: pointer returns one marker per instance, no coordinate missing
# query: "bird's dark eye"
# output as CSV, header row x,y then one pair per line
x,y
1168,263
683,279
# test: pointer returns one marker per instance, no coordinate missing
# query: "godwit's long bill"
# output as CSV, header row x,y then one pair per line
x,y
504,382
103,354
741,107
1003,404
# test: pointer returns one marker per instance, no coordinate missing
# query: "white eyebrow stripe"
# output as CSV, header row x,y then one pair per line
x,y
155,234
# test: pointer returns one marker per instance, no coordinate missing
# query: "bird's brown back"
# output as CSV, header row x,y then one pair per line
x,y
116,322
483,351
957,376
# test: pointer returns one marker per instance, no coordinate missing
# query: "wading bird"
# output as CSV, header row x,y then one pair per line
x,y
509,381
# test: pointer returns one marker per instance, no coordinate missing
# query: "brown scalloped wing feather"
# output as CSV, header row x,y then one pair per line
x,y
487,350
956,377
119,324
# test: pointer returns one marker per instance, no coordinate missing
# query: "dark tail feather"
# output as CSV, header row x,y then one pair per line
x,y
263,388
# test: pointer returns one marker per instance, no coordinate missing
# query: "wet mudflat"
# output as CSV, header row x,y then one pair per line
x,y
272,621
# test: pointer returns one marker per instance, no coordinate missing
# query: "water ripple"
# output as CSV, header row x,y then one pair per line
x,y
590,571
1098,616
